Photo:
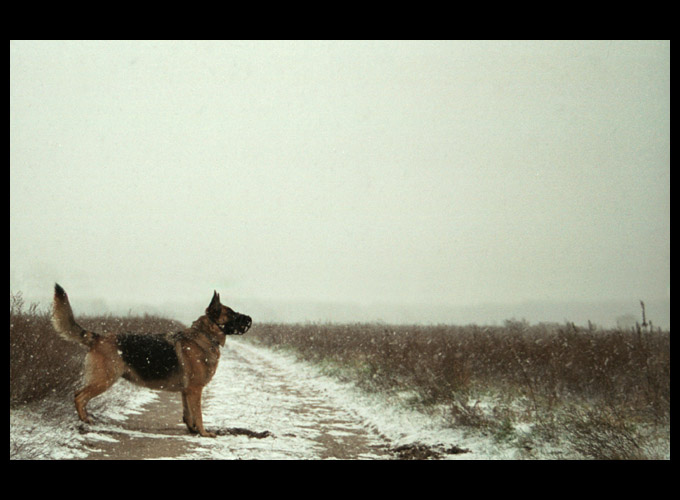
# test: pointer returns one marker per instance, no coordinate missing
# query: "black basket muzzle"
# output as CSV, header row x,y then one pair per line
x,y
238,325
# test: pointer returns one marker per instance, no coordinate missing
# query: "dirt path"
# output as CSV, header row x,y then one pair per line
x,y
260,409
152,433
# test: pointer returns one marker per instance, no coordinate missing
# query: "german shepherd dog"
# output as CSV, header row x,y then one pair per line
x,y
183,362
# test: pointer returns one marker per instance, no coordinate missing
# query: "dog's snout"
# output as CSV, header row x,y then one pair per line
x,y
243,323
246,321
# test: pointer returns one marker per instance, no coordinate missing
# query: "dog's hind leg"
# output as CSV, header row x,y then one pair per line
x,y
84,395
99,376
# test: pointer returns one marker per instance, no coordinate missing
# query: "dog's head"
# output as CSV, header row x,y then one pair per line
x,y
228,320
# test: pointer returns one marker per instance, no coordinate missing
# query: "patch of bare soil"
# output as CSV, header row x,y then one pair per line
x,y
238,431
419,451
157,431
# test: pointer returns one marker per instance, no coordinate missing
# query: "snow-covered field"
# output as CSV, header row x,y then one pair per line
x,y
302,413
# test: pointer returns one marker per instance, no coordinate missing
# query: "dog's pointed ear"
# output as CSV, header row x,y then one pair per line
x,y
215,308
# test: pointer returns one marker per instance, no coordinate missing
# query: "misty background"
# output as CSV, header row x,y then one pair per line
x,y
399,181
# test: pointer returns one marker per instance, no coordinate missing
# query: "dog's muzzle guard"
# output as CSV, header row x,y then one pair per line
x,y
237,326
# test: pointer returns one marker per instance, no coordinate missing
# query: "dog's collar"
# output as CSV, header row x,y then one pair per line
x,y
214,342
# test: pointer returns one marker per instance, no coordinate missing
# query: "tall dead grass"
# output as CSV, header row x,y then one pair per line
x,y
613,380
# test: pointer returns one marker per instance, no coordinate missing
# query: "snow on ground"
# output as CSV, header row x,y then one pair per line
x,y
307,415
383,421
42,433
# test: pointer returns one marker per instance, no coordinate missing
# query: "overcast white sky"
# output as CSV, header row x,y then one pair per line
x,y
442,172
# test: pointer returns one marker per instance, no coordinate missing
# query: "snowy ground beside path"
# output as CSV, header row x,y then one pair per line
x,y
42,433
296,412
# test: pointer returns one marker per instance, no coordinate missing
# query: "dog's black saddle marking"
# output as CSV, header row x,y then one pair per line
x,y
151,356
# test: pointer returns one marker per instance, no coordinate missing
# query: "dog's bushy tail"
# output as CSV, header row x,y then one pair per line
x,y
64,322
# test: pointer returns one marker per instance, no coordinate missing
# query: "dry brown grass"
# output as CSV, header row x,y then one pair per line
x,y
624,368
584,384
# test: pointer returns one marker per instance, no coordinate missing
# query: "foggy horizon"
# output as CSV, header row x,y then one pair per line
x,y
442,174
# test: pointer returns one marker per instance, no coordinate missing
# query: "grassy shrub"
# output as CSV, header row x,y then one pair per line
x,y
550,363
562,379
602,434
40,362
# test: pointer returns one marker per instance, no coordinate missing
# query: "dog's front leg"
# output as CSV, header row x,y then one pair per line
x,y
193,418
